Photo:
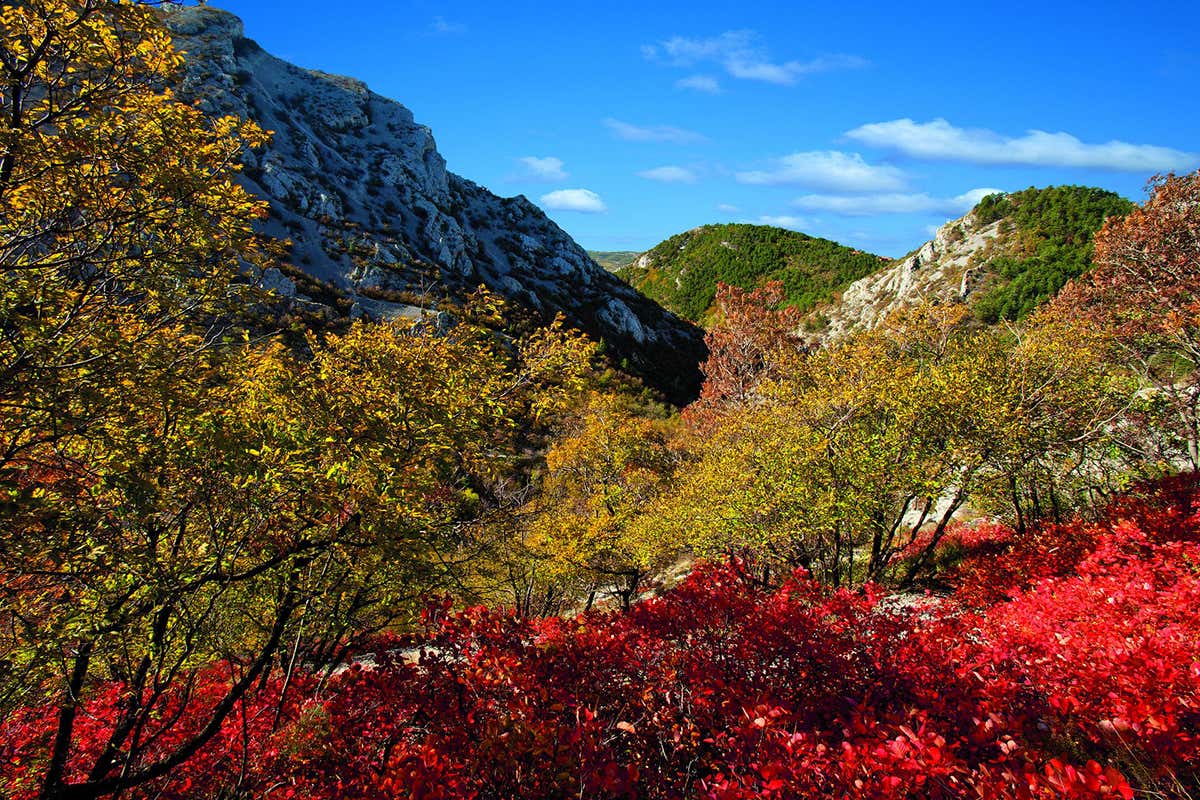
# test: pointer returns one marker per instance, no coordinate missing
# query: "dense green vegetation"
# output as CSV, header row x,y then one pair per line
x,y
1051,232
613,260
685,269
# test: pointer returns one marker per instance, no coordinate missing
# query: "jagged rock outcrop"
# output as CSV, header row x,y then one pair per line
x,y
362,192
1005,258
947,269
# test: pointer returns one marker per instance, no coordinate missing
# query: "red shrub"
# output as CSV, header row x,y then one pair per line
x,y
1087,675
1111,652
245,739
717,690
1164,511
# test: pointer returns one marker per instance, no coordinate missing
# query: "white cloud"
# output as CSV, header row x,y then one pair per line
x,y
827,169
669,174
700,83
584,201
726,208
788,73
968,200
792,223
548,169
444,27
940,141
895,203
652,133
682,51
743,56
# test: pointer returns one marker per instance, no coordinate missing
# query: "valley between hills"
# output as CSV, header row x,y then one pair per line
x,y
326,472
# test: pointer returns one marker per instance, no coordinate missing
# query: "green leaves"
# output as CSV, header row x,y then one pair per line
x,y
684,271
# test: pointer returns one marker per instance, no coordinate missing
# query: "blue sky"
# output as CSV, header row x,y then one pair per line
x,y
868,123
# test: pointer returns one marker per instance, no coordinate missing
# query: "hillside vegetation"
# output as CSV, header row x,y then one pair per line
x,y
1048,240
1003,259
418,558
682,273
613,260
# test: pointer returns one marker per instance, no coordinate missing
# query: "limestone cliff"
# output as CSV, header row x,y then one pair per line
x,y
360,189
1003,259
946,269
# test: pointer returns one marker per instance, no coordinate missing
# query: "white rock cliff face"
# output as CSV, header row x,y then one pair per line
x,y
361,190
943,270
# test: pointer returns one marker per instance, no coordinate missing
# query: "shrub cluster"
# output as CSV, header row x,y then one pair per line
x,y
1082,683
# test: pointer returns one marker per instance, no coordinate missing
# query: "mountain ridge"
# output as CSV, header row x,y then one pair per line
x,y
1002,259
614,260
360,190
682,271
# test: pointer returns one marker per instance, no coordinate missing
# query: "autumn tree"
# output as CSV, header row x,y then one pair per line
x,y
1054,408
119,212
579,533
841,460
1146,288
245,513
869,447
121,228
752,340
178,502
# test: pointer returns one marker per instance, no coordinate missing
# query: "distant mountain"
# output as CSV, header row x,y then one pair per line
x,y
615,259
682,273
380,228
1004,258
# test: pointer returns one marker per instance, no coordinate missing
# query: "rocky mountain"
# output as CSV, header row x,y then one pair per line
x,y
682,273
378,222
944,270
1005,257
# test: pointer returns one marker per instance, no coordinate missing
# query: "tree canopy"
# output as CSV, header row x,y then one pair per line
x,y
682,273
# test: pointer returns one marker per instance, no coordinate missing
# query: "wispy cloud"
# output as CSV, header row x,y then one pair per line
x,y
444,27
788,73
743,56
785,221
670,174
827,169
700,83
940,141
544,170
727,208
895,203
584,201
652,133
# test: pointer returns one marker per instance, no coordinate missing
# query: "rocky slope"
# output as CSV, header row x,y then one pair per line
x,y
1002,259
943,270
360,189
682,273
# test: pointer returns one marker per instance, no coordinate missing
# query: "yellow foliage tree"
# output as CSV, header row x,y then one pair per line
x,y
580,532
174,499
251,503
867,444
119,214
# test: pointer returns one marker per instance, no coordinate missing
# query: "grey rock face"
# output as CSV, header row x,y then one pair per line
x,y
943,270
362,192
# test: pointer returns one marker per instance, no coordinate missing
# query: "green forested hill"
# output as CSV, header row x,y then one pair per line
x,y
682,273
1047,235
613,260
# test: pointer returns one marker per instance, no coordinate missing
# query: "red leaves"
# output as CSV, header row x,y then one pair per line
x,y
720,689
751,342
998,562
